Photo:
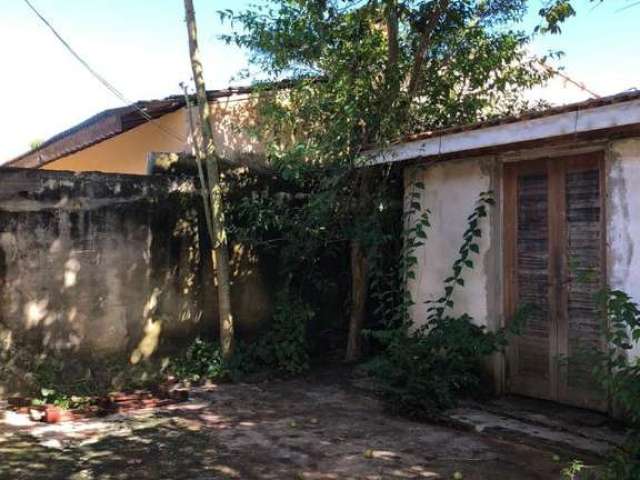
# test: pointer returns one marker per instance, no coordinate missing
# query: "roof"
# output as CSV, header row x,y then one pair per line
x,y
108,124
619,113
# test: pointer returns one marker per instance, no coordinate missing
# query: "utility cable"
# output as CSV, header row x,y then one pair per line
x,y
103,80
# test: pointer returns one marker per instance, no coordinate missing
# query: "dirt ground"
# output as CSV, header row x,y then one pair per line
x,y
296,429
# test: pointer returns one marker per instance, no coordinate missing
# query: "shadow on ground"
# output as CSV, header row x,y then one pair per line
x,y
279,430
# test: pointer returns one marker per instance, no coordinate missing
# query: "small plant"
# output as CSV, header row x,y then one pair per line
x,y
201,361
620,376
49,396
572,470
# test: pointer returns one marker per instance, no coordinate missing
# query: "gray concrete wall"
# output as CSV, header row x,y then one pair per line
x,y
95,266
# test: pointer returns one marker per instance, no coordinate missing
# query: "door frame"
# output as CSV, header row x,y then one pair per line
x,y
556,165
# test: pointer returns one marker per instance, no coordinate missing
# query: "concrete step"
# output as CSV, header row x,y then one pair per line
x,y
569,430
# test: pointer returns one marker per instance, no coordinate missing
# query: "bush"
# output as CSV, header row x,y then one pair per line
x,y
284,347
430,369
201,361
620,376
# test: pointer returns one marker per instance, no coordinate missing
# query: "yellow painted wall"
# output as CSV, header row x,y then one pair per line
x,y
127,152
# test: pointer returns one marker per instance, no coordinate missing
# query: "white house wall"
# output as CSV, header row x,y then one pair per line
x,y
451,192
623,218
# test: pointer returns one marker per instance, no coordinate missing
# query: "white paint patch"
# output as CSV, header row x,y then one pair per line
x,y
451,192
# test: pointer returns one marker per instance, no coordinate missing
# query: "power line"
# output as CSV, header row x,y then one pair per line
x,y
567,78
103,80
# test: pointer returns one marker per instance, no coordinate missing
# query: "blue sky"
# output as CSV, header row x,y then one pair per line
x,y
140,47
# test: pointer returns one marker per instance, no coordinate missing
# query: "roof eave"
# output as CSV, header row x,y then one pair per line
x,y
572,123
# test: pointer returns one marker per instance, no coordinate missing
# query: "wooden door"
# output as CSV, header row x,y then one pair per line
x,y
554,260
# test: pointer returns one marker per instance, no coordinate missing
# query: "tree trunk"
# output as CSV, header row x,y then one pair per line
x,y
220,253
359,283
359,273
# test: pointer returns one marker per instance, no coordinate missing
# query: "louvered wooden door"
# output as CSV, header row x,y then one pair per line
x,y
554,260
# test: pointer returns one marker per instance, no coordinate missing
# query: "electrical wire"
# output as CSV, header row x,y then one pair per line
x,y
103,80
567,78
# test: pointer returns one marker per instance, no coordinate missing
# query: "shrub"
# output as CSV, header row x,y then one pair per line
x,y
201,361
429,370
620,376
284,348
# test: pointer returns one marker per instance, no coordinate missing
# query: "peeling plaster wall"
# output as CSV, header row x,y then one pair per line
x,y
96,266
451,192
623,221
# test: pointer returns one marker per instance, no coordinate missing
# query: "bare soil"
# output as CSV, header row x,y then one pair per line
x,y
296,429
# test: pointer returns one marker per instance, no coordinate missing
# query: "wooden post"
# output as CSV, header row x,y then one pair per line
x,y
210,159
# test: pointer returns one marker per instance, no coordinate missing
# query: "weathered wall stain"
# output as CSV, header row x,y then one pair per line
x,y
96,265
617,207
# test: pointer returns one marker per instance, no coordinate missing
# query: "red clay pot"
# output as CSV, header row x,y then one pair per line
x,y
52,414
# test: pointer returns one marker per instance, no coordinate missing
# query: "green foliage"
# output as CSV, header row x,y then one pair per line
x,y
555,12
281,349
571,471
426,371
620,376
75,384
35,143
429,368
284,347
201,361
353,87
62,400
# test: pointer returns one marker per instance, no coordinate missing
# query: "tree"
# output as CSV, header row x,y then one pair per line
x,y
368,73
207,155
35,143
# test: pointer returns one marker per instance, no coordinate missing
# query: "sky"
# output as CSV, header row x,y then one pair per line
x,y
140,47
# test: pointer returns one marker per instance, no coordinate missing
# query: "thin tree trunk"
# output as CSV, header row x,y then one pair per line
x,y
220,254
359,276
359,284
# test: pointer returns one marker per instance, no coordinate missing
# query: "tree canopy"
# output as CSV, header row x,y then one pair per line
x,y
369,72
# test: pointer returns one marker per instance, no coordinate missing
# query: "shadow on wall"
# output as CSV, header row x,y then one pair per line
x,y
99,269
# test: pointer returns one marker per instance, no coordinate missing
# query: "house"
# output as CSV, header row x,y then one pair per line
x,y
566,182
120,140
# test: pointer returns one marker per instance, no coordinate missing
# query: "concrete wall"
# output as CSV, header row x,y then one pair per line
x,y
451,192
94,266
127,153
623,219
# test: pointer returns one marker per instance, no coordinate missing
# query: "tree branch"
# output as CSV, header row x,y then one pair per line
x,y
431,22
392,37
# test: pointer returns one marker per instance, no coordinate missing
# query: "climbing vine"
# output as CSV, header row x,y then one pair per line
x,y
426,368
